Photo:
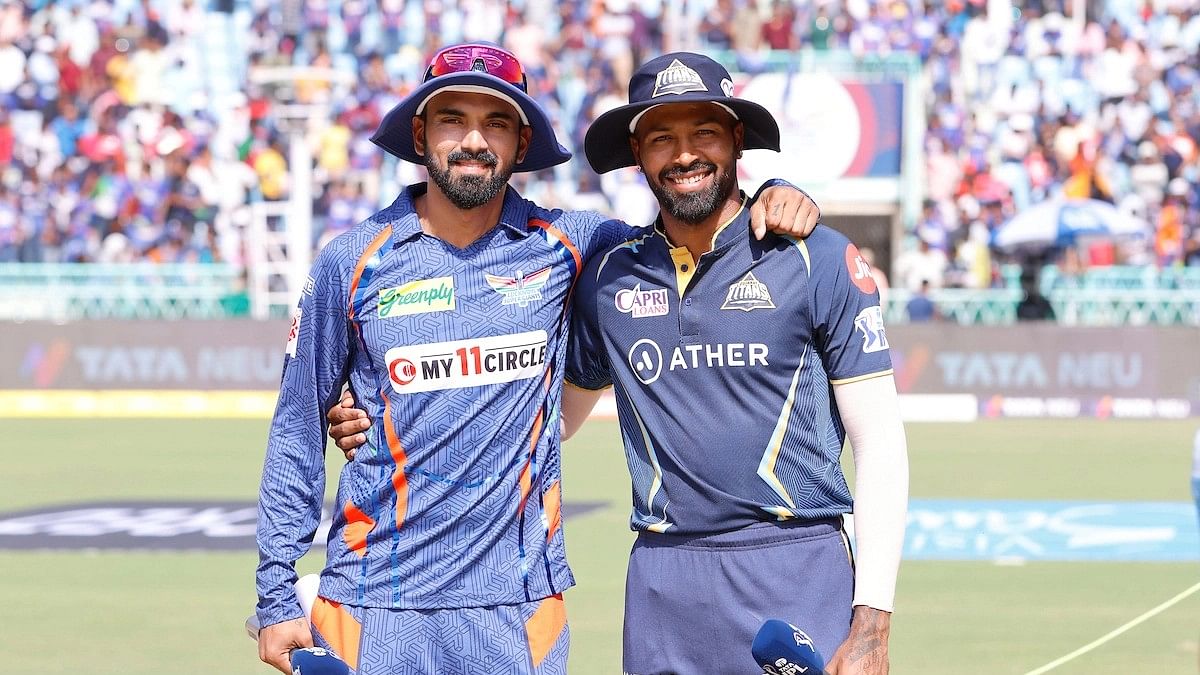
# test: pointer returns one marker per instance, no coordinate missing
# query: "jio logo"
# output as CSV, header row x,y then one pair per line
x,y
645,360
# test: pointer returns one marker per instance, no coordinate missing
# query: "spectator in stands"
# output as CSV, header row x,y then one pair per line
x,y
779,31
920,308
880,277
921,263
1106,105
1033,305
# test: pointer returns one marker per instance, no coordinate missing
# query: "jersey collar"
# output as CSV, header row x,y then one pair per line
x,y
406,225
728,234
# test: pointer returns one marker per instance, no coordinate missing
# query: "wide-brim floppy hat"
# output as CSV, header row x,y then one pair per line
x,y
477,68
678,77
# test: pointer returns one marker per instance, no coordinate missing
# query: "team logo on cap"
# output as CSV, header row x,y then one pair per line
x,y
677,79
727,86
748,293
521,289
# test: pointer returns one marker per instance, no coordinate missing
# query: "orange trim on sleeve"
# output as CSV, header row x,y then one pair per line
x,y
341,630
563,239
543,628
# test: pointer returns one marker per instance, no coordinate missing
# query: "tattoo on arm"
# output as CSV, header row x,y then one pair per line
x,y
870,630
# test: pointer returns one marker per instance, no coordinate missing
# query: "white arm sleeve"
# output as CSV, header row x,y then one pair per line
x,y
870,412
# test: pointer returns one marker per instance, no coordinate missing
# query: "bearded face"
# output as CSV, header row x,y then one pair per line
x,y
469,190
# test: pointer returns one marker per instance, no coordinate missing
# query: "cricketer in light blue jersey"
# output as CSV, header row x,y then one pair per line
x,y
447,314
458,356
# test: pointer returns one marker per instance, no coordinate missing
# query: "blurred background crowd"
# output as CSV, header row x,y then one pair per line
x,y
116,145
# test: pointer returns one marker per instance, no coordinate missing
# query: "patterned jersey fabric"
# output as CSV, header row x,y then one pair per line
x,y
457,356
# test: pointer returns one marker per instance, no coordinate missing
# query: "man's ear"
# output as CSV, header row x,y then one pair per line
x,y
525,136
636,150
418,132
739,139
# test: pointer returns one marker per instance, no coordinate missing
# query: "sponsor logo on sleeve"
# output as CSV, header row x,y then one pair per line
x,y
417,297
869,322
638,303
748,293
466,363
293,333
521,289
860,271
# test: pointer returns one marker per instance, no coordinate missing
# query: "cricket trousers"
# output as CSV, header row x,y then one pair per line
x,y
525,639
693,604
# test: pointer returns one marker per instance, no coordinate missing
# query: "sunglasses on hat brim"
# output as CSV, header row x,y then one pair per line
x,y
481,58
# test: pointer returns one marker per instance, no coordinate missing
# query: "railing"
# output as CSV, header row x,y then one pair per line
x,y
1110,296
71,291
1101,296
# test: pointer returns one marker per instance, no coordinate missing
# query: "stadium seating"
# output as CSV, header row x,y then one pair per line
x,y
1050,106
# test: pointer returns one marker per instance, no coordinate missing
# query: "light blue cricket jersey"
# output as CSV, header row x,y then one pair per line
x,y
724,374
457,355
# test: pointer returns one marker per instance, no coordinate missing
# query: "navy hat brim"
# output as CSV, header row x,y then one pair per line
x,y
677,77
606,142
395,133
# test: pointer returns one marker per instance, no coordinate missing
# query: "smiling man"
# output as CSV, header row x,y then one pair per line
x,y
739,368
447,313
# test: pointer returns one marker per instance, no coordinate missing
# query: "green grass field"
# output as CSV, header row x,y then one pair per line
x,y
181,613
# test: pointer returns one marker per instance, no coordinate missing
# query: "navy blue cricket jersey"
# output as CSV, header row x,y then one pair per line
x,y
724,372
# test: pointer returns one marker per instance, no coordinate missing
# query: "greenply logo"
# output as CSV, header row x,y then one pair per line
x,y
417,297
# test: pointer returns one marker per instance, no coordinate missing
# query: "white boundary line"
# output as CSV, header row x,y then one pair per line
x,y
1096,643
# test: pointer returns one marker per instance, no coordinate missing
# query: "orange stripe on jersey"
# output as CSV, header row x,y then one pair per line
x,y
400,457
535,434
341,630
552,502
358,525
374,246
563,239
543,628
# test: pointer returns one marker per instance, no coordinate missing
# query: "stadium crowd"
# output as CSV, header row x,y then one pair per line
x,y
115,144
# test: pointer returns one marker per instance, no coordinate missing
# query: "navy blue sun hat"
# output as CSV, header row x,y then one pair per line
x,y
479,69
679,77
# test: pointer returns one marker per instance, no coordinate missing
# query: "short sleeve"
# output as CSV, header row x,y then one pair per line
x,y
587,361
847,318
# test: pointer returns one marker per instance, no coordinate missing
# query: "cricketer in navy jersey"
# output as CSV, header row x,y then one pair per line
x,y
739,368
457,354
740,352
